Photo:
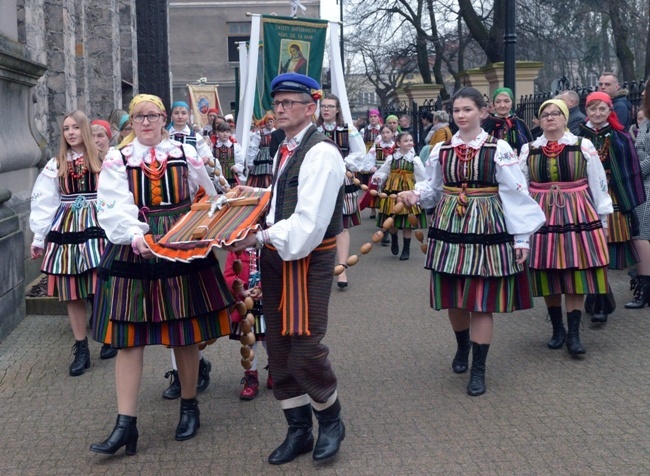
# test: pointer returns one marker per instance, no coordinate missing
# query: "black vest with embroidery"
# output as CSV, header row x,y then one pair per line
x,y
286,185
340,137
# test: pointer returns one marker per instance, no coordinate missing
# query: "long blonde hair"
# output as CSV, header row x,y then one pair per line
x,y
91,155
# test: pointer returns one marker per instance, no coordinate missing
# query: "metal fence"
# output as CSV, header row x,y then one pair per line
x,y
529,105
526,108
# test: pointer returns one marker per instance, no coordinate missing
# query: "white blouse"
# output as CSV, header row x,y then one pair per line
x,y
357,148
370,160
202,146
46,199
384,171
116,209
320,178
596,177
522,214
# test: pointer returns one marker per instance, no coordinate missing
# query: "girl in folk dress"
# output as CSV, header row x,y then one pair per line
x,y
399,173
246,284
479,233
66,231
569,254
374,159
258,159
230,156
625,184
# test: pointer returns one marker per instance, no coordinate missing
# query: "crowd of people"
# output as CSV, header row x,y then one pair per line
x,y
512,213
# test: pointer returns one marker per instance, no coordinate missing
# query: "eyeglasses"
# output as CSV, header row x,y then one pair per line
x,y
554,115
150,117
286,103
327,107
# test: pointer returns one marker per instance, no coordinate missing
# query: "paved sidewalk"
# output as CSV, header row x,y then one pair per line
x,y
406,412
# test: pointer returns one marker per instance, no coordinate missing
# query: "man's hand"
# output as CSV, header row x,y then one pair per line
x,y
250,240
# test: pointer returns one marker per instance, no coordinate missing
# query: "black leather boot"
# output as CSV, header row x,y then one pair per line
x,y
299,438
641,288
406,251
190,421
81,358
204,375
573,337
394,244
125,433
476,385
174,390
459,364
559,332
331,432
599,316
107,352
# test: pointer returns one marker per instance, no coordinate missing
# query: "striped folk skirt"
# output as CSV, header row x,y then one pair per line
x,y
569,253
260,181
619,239
75,242
72,287
472,257
156,302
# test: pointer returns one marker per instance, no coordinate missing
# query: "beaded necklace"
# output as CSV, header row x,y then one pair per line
x,y
465,155
603,152
156,170
552,149
77,169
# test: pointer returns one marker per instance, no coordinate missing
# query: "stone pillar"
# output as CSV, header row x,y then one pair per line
x,y
153,49
101,50
475,78
60,24
525,74
19,154
419,93
12,271
128,51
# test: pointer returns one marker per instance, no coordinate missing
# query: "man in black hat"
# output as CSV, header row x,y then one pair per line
x,y
297,263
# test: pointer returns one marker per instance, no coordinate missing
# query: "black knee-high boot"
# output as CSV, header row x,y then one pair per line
x,y
476,384
573,337
394,245
559,332
459,364
406,251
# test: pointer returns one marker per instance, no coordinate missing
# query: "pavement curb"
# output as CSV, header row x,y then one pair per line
x,y
43,306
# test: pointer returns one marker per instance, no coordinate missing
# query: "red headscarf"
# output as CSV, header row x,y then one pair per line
x,y
105,125
604,97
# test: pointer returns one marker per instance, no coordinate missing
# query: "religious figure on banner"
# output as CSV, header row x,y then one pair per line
x,y
295,62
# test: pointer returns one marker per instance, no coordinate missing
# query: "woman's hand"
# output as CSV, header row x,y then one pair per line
x,y
408,198
140,248
36,251
522,255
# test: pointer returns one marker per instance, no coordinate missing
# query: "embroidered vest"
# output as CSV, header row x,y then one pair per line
x,y
286,185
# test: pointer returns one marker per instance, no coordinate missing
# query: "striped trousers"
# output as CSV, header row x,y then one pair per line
x,y
299,364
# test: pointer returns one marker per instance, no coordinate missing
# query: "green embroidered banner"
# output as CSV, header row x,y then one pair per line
x,y
290,46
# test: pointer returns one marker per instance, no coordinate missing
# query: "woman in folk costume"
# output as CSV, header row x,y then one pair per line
x,y
102,136
399,173
569,254
504,124
479,233
350,143
625,184
145,187
67,234
372,131
230,156
180,131
258,159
